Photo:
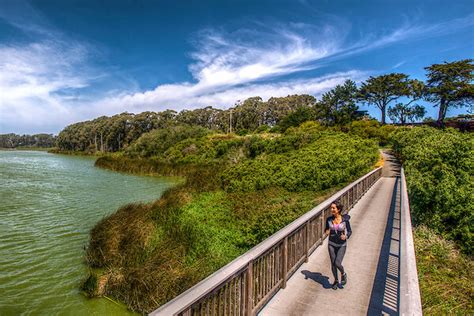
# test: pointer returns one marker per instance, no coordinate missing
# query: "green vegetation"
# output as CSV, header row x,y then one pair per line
x,y
146,254
36,141
445,275
439,170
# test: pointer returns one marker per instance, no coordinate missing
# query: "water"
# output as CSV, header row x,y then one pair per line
x,y
48,204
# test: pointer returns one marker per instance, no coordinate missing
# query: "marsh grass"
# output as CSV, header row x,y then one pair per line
x,y
445,275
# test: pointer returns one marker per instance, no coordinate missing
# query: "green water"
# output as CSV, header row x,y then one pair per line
x,y
48,204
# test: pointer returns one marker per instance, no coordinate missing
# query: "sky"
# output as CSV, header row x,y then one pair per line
x,y
63,62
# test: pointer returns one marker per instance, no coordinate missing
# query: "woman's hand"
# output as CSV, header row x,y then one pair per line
x,y
343,237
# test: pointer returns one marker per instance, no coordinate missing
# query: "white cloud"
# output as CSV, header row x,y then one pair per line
x,y
33,79
181,96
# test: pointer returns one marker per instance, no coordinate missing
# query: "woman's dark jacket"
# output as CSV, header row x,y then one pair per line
x,y
344,228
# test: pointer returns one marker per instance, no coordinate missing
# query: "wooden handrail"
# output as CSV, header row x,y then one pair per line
x,y
410,299
248,282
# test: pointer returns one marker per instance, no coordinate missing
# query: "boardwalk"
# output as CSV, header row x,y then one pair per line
x,y
371,262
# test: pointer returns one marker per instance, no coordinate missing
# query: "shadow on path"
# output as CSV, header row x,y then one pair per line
x,y
317,277
385,294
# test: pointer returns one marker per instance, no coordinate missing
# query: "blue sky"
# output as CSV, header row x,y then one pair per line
x,y
68,61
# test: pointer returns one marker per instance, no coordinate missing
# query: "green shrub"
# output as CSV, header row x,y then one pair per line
x,y
439,170
332,159
156,142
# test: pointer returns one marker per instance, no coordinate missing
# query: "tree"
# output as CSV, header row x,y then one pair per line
x,y
248,115
404,112
450,85
278,108
295,118
338,106
382,90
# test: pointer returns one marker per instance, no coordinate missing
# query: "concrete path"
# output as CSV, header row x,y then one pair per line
x,y
372,254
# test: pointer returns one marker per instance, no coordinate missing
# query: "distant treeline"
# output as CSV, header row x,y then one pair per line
x,y
109,134
37,140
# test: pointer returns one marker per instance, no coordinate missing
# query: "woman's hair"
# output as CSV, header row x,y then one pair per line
x,y
338,205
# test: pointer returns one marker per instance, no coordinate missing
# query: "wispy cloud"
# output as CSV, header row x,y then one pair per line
x,y
36,80
245,55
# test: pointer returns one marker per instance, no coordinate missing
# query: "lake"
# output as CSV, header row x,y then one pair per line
x,y
48,204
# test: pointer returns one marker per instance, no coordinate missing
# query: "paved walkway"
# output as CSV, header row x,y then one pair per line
x,y
372,254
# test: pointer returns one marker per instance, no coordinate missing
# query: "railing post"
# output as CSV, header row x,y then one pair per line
x,y
323,224
284,261
249,289
306,244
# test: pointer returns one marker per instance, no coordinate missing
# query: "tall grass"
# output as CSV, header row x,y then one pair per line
x,y
445,275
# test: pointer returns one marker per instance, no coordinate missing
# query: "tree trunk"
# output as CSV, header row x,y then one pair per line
x,y
441,112
383,115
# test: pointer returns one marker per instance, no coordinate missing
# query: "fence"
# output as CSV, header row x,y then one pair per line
x,y
246,284
410,300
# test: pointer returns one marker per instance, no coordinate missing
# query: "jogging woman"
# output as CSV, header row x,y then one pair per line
x,y
339,230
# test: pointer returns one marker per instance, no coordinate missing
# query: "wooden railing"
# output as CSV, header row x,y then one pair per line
x,y
246,284
410,299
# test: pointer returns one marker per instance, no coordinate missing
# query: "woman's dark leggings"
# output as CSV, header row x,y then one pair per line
x,y
337,254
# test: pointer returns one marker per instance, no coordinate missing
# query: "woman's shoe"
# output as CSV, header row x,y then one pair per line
x,y
335,285
344,279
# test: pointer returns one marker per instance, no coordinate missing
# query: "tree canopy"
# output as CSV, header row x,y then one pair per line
x,y
382,90
450,85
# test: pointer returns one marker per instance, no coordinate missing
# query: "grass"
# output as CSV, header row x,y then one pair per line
x,y
445,275
150,253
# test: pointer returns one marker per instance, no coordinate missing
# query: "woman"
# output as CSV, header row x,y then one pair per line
x,y
339,230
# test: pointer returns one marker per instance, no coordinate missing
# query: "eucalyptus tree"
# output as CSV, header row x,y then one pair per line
x,y
278,108
207,117
449,85
247,115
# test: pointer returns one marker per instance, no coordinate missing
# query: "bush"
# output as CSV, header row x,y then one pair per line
x,y
332,159
372,129
158,141
439,170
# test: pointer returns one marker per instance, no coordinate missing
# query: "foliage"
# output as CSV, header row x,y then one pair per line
x,y
319,165
338,106
445,275
401,113
439,170
297,117
382,90
450,85
37,140
372,130
108,134
160,140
